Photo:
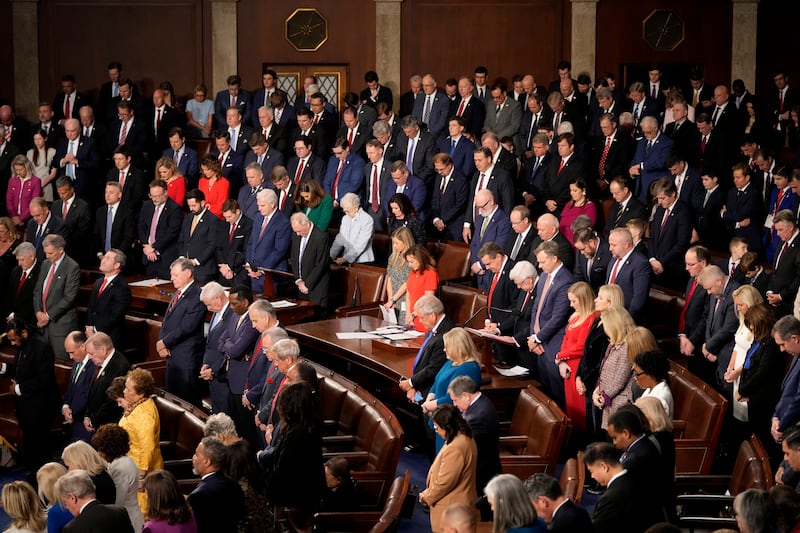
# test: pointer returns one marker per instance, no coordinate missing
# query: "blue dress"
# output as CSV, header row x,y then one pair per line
x,y
444,377
537,527
57,518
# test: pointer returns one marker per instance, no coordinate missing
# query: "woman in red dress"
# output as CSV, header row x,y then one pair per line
x,y
581,298
423,279
213,184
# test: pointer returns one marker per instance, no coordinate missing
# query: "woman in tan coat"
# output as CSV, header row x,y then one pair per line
x,y
451,478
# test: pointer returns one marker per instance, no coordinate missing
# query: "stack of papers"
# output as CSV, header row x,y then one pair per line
x,y
513,372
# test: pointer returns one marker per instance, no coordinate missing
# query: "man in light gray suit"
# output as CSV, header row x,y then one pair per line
x,y
55,293
503,114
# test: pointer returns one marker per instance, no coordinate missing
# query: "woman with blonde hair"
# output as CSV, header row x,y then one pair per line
x,y
22,505
312,200
57,515
595,346
613,387
176,183
81,456
23,186
744,298
463,359
568,359
397,273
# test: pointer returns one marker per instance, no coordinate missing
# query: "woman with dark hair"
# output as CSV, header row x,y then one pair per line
x,y
167,508
423,279
41,156
112,443
651,373
578,205
296,475
243,468
762,374
787,508
342,491
451,478
312,200
755,124
403,215
213,184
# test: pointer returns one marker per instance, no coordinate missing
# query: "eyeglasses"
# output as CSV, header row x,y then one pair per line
x,y
482,206
638,374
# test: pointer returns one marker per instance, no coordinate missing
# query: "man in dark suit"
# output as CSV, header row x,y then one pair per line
x,y
783,285
684,134
650,158
183,156
416,148
263,96
76,398
670,234
743,212
535,174
55,293
345,172
389,137
41,224
181,339
129,130
76,157
786,334
470,108
721,321
19,295
515,325
558,512
270,239
502,294
691,323
158,230
33,386
232,239
122,231
431,356
458,147
69,101
403,182
162,120
449,199
561,173
377,175
611,153
431,108
233,96
549,316
47,123
375,92
109,91
626,206
492,225
709,221
277,136
535,113
487,177
93,129
214,368
713,154
129,94
354,132
238,132
215,491
285,190
256,182
8,152
409,98
781,101
197,237
285,114
520,245
310,260
77,491
593,257
642,104
628,505
688,183
630,270
109,363
325,123
74,213
305,164
109,299
231,162
17,129
131,179
547,230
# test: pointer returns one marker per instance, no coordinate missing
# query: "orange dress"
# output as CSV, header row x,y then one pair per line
x,y
418,283
571,352
216,194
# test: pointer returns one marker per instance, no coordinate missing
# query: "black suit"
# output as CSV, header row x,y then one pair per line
x,y
215,493
79,223
714,157
79,101
501,185
407,101
694,328
599,271
278,139
231,250
618,158
482,419
668,243
123,229
384,95
565,251
100,409
626,507
424,150
106,310
52,226
474,115
137,138
166,236
525,247
313,268
432,358
685,141
313,169
361,135
448,205
170,118
518,325
786,277
199,245
633,209
287,207
99,518
135,189
558,182
21,303
709,223
569,518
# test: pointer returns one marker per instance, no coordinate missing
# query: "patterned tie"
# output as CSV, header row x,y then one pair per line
x,y
602,166
299,173
536,326
123,133
174,301
47,285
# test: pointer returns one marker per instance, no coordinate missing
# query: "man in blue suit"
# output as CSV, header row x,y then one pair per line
x,y
650,159
263,96
549,317
458,147
630,270
233,96
230,162
492,225
670,234
217,503
269,241
76,399
181,339
721,321
183,156
787,413
213,370
403,182
344,173
743,211
262,154
76,157
449,198
432,107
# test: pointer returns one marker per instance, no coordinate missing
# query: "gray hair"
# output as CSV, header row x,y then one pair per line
x,y
268,109
462,385
756,509
211,290
349,200
75,482
786,327
216,451
267,195
24,249
381,127
461,517
542,484
429,304
54,240
548,219
300,219
275,334
511,503
262,307
286,348
649,122
219,424
184,263
522,270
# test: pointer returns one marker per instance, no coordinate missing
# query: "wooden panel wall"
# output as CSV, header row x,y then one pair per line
x,y
154,40
6,56
262,37
449,38
778,46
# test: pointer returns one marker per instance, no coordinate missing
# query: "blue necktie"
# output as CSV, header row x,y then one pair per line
x,y
410,155
452,146
109,222
422,349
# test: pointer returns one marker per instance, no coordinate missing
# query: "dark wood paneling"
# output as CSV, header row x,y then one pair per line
x,y
6,56
154,40
778,48
449,38
262,38
707,41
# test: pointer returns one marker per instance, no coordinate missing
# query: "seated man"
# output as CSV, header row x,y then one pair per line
x,y
342,494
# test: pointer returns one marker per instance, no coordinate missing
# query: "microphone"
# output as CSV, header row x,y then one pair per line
x,y
357,298
486,308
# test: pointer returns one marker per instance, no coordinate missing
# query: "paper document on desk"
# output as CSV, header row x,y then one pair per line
x,y
278,304
388,315
386,330
404,336
513,372
355,335
152,282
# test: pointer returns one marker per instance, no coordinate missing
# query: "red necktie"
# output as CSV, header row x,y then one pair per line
x,y
121,180
233,101
64,211
123,133
174,301
664,222
102,287
284,194
374,199
336,180
461,108
221,157
299,173
783,251
602,167
230,235
525,301
275,400
158,120
316,119
613,277
491,292
256,351
778,201
22,279
682,320
561,166
96,373
350,138
703,144
66,108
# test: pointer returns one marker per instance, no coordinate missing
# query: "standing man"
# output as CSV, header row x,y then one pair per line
x,y
180,340
785,280
19,293
376,173
310,260
41,224
214,369
76,157
76,399
232,241
269,242
787,413
593,259
670,234
691,325
721,321
159,227
630,270
74,213
650,159
108,364
492,225
183,156
110,298
114,223
55,293
198,237
216,491
449,198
